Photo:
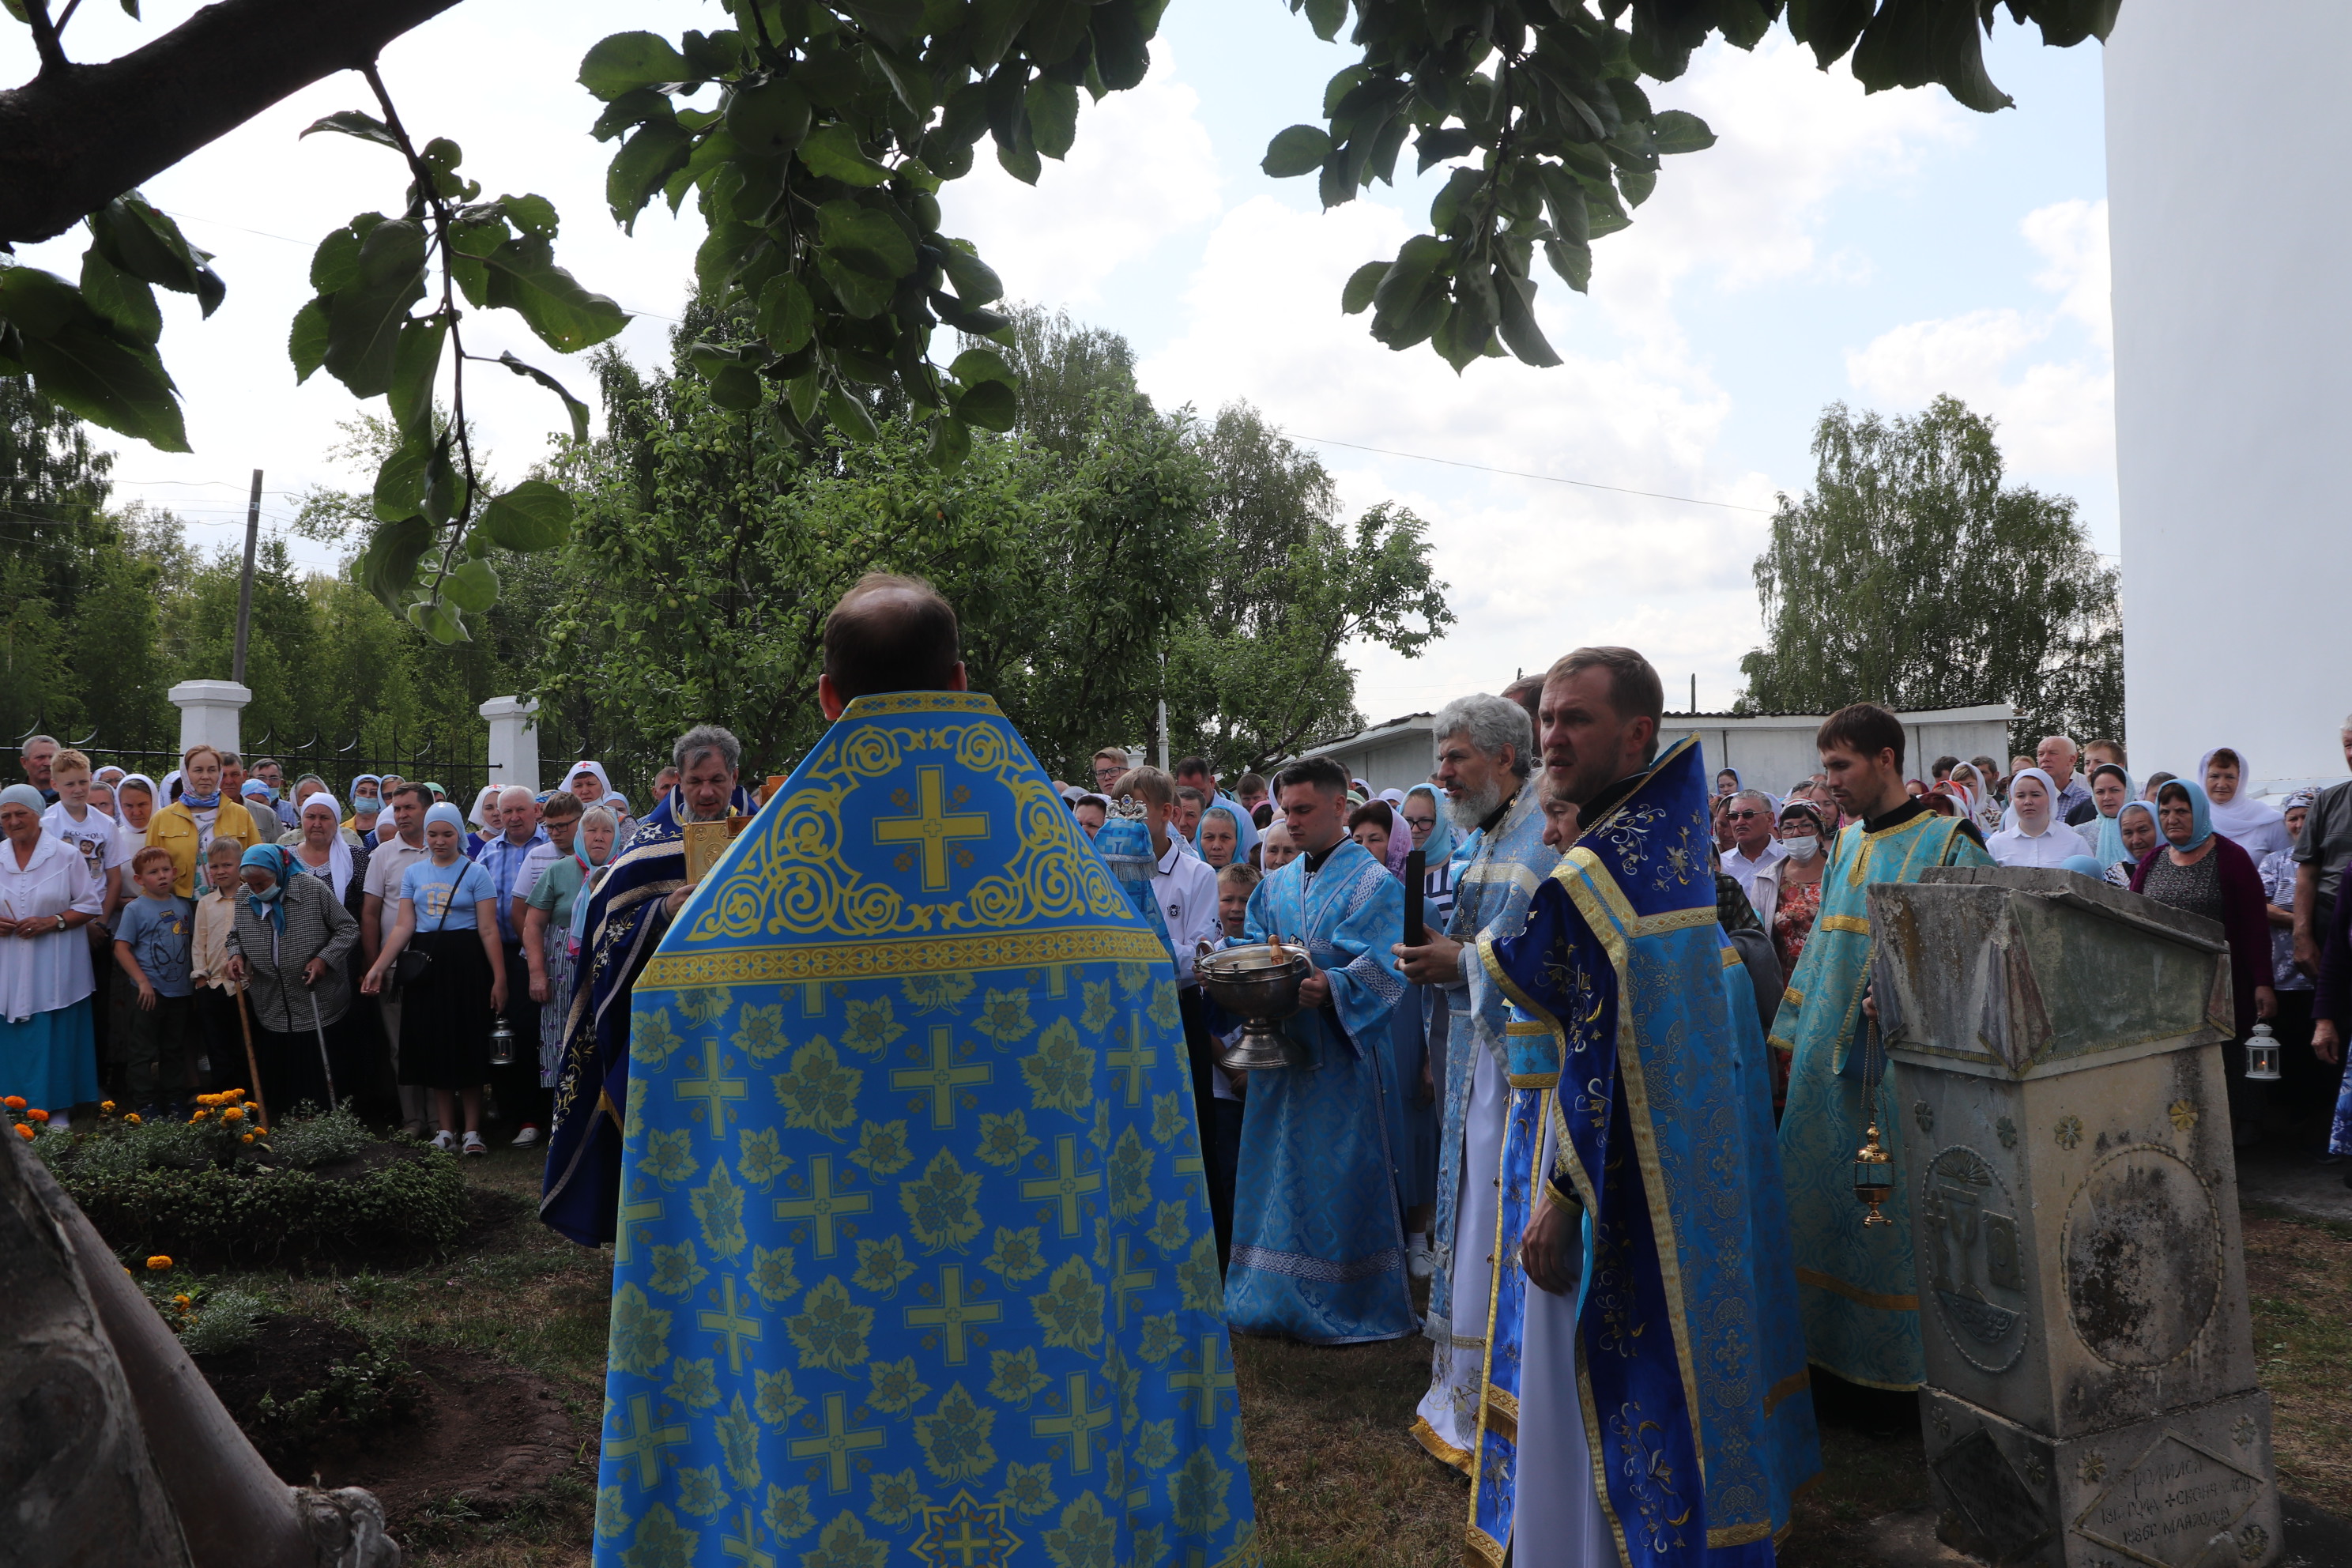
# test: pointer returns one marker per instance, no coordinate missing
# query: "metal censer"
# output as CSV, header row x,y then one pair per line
x,y
1260,984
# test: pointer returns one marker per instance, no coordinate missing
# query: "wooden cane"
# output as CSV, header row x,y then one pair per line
x,y
252,1064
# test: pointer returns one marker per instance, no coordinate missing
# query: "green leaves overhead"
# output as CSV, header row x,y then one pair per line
x,y
818,175
91,349
423,560
1545,102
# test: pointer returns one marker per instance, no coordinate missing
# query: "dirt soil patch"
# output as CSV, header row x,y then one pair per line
x,y
482,1430
2299,1286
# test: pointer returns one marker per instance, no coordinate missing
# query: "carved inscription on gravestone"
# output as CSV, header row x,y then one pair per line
x,y
2143,1250
2166,1506
1968,1229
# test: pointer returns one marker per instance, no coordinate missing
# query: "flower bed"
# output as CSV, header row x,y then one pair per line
x,y
221,1188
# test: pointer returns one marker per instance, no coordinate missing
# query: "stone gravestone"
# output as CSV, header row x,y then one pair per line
x,y
2090,1399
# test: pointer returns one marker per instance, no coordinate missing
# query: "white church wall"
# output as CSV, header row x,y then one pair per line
x,y
2230,215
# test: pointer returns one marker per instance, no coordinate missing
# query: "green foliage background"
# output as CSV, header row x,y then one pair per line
x,y
1911,575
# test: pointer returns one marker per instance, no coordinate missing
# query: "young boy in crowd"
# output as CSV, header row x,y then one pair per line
x,y
1236,883
220,1041
152,944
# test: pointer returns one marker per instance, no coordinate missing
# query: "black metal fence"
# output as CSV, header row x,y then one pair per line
x,y
457,759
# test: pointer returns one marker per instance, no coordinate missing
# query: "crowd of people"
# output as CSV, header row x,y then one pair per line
x,y
221,930
2266,870
1468,1101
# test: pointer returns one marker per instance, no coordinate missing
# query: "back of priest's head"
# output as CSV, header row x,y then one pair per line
x,y
890,632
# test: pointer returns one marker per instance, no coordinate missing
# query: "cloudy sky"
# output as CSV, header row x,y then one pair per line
x,y
1832,246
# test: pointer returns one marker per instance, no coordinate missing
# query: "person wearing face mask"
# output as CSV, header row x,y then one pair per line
x,y
367,804
2039,838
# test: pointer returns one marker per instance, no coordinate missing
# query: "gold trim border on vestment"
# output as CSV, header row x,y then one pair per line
x,y
881,958
1438,1448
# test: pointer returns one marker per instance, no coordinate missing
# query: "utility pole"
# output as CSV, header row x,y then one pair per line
x,y
1694,692
244,583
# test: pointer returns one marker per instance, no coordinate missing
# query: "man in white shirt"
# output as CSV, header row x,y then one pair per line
x,y
1753,846
1186,888
399,848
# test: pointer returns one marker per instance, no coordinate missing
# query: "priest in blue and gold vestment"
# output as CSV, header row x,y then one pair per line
x,y
1649,1403
916,1259
1856,1287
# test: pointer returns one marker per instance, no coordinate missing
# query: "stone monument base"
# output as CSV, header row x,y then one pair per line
x,y
2189,1488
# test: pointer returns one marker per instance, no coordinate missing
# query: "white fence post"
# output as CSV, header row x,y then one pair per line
x,y
209,712
514,742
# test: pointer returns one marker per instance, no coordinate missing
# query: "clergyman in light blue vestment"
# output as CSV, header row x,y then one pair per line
x,y
1318,1241
915,1259
1854,1286
1492,889
1674,1375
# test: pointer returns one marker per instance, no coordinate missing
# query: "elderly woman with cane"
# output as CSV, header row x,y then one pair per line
x,y
287,948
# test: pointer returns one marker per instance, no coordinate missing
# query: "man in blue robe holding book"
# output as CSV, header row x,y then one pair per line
x,y
916,1262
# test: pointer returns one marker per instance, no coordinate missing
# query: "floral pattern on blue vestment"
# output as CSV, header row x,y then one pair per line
x,y
915,1261
1693,1387
1855,1287
1318,1245
1491,891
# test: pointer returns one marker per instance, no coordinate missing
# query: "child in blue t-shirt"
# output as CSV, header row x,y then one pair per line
x,y
150,943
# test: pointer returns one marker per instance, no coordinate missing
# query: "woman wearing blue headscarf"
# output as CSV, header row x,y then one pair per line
x,y
448,913
286,947
2200,870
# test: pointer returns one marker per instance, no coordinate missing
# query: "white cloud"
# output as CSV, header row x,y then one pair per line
x,y
2053,392
1141,172
1535,568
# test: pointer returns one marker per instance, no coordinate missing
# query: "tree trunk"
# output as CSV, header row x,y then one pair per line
x,y
77,136
114,1448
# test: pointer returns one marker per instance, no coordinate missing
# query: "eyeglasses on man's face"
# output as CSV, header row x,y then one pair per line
x,y
1743,815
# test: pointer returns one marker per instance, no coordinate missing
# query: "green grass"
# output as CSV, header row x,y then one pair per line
x,y
1339,1480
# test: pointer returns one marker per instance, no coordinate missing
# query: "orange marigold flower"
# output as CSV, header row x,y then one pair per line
x,y
233,1113
246,1139
14,1102
159,1263
232,1095
23,1131
39,1115
106,1108
133,1119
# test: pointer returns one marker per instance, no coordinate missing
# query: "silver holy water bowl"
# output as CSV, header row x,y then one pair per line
x,y
502,1044
1260,985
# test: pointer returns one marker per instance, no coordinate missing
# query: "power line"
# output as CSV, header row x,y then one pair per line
x,y
1522,474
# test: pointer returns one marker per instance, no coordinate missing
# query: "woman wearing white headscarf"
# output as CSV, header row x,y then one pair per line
x,y
48,1048
587,781
1977,798
2253,825
2039,838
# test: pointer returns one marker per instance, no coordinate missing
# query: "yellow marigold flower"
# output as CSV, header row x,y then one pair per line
x,y
159,1263
233,1114
246,1139
208,1099
232,1095
133,1119
106,1108
182,1302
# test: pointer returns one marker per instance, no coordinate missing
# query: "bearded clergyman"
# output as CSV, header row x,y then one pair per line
x,y
1485,749
1644,1396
